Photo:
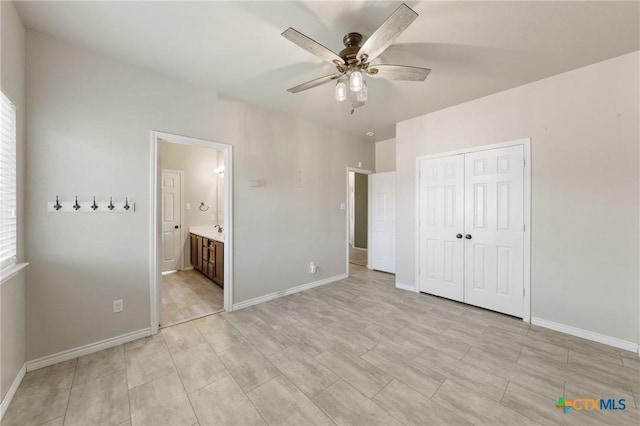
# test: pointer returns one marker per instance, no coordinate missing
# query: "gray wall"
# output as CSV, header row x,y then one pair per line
x,y
386,156
12,292
200,185
88,131
585,187
361,210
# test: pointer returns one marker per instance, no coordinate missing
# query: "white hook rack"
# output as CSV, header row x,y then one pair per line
x,y
92,206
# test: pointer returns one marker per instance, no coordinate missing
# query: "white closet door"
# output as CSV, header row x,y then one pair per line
x,y
441,219
383,221
494,228
171,212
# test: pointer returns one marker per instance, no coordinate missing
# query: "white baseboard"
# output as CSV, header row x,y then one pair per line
x,y
86,349
407,287
292,290
6,401
586,334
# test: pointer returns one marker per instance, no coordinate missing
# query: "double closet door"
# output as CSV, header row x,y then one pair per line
x,y
471,228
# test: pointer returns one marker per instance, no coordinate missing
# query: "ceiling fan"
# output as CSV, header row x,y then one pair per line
x,y
354,61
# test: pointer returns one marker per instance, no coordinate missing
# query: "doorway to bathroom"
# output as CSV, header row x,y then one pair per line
x,y
191,229
357,216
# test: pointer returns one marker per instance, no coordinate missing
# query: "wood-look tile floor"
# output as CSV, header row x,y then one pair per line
x,y
358,256
187,295
355,352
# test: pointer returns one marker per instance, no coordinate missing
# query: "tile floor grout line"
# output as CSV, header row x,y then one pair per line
x,y
320,408
519,353
162,327
71,388
442,406
387,411
246,395
126,375
438,388
504,392
152,380
195,414
383,387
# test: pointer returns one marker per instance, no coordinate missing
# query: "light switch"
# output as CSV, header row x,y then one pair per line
x,y
187,206
342,206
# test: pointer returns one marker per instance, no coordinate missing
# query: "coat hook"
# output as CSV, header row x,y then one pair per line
x,y
94,206
111,206
76,205
126,204
57,205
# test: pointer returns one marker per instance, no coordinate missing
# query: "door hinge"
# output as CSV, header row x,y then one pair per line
x,y
523,291
524,163
524,227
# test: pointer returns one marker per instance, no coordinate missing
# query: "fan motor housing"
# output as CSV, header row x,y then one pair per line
x,y
352,46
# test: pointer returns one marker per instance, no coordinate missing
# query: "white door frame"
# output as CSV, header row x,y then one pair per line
x,y
181,173
154,219
526,143
348,205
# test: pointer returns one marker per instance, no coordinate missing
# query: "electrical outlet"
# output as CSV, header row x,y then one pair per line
x,y
313,268
118,306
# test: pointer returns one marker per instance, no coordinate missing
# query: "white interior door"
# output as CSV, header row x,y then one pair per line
x,y
171,220
441,225
383,221
494,229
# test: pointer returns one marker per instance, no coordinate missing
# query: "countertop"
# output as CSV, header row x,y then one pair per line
x,y
209,232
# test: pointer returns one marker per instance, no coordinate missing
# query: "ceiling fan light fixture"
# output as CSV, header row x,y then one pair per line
x,y
355,81
355,59
363,94
341,91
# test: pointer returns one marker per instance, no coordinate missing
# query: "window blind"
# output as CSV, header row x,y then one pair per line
x,y
8,232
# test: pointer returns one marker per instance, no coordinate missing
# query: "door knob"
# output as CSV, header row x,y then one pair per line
x,y
468,236
458,235
176,227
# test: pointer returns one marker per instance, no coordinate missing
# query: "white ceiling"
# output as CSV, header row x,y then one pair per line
x,y
473,48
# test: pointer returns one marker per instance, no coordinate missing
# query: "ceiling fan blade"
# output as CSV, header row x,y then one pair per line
x,y
398,72
395,24
314,83
312,46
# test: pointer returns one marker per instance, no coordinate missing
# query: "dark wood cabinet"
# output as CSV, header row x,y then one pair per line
x,y
207,256
219,270
194,250
199,253
211,270
205,253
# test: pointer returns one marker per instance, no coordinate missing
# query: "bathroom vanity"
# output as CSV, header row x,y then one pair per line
x,y
207,252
